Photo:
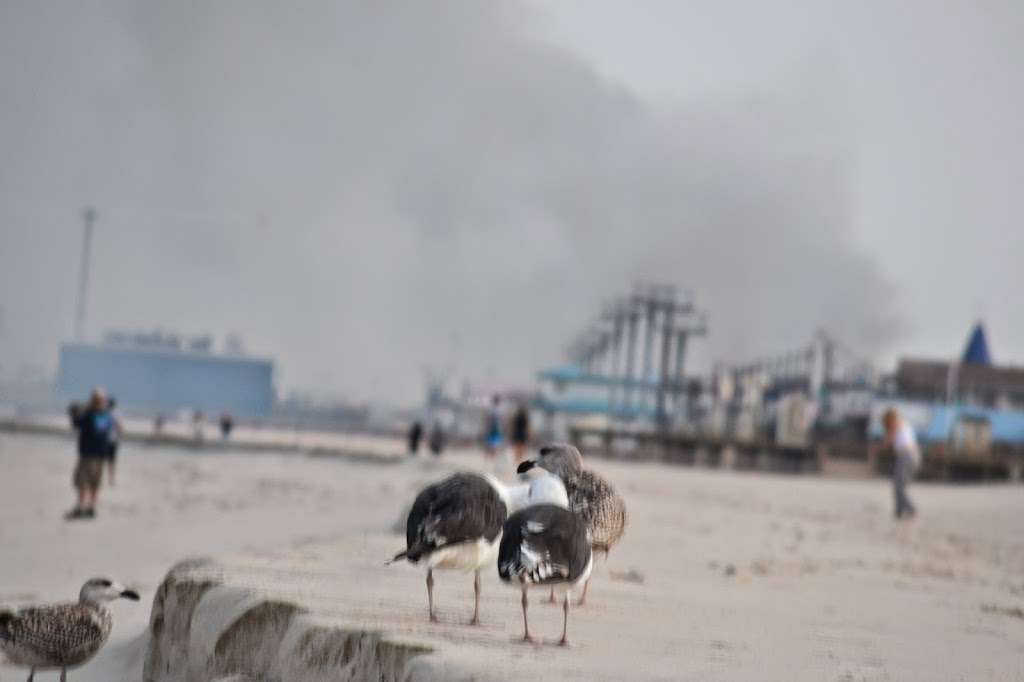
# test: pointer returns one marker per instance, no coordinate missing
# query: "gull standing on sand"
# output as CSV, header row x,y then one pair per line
x,y
545,544
456,524
602,509
61,635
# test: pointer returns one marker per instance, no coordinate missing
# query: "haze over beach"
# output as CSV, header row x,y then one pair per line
x,y
335,337
467,194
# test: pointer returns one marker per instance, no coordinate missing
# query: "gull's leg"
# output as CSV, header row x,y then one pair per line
x,y
31,674
63,675
551,599
476,600
526,624
430,594
565,620
583,597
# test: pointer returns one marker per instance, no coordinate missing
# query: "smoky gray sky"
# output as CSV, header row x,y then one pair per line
x,y
365,189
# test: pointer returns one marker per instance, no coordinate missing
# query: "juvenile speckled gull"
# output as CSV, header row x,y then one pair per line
x,y
61,636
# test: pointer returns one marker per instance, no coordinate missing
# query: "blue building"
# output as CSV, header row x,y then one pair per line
x,y
973,381
161,378
941,423
577,391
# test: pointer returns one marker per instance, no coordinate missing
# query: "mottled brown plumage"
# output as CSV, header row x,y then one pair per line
x,y
590,496
601,508
55,636
61,636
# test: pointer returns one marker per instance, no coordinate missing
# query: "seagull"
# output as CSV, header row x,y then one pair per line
x,y
592,497
545,544
61,635
456,524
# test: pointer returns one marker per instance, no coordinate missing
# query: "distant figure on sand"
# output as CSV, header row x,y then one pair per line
x,y
415,436
899,436
493,438
520,431
227,423
436,440
94,424
114,440
198,420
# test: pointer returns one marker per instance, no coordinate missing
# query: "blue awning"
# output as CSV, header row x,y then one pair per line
x,y
1006,426
575,374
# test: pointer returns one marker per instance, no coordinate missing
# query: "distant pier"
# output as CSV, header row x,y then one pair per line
x,y
817,457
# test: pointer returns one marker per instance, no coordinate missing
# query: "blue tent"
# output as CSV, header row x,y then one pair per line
x,y
976,352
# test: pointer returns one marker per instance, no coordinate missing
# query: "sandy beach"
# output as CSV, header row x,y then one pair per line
x,y
721,576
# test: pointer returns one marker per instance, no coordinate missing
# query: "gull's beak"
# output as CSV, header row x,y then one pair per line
x,y
130,594
525,466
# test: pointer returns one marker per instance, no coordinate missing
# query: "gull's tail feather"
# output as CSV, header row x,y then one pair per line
x,y
413,554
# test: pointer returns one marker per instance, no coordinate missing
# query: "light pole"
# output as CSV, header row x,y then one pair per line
x,y
89,215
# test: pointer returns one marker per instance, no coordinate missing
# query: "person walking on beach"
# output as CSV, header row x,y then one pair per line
x,y
415,436
520,431
436,440
94,424
198,425
493,437
113,440
899,436
227,423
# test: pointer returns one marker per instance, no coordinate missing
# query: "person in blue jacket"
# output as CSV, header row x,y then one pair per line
x,y
493,436
95,425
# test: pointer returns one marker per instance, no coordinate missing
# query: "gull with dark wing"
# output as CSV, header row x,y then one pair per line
x,y
456,524
545,544
592,497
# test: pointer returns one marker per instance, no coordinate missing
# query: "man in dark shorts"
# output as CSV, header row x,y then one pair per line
x,y
94,424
